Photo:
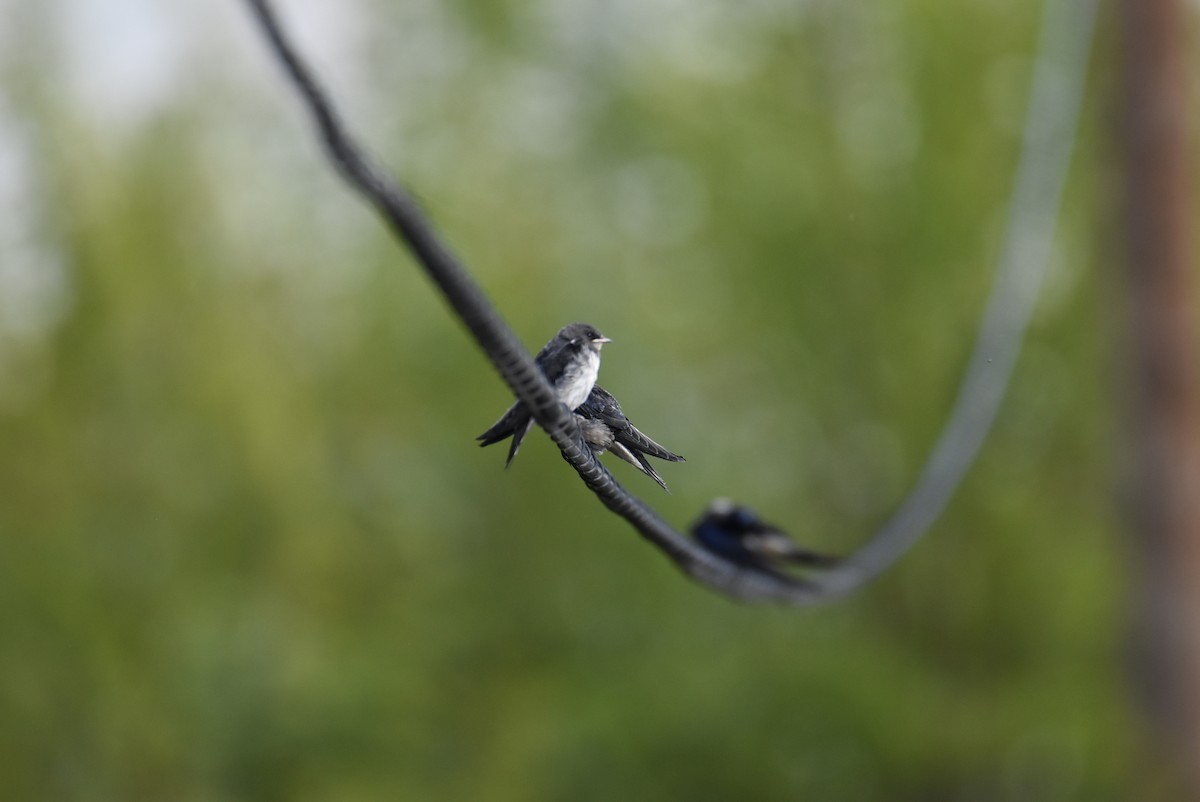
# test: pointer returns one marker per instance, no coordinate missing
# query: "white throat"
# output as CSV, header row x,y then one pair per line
x,y
578,379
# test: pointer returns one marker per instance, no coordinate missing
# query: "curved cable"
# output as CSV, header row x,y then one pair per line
x,y
1051,123
1049,134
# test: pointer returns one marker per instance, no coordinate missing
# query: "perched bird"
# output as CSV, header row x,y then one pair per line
x,y
571,363
737,534
605,428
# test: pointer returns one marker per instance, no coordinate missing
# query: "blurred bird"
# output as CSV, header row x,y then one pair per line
x,y
605,428
571,363
737,534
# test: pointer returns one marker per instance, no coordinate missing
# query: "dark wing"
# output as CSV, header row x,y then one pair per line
x,y
515,424
774,545
518,436
635,459
630,436
602,406
712,533
649,471
506,426
554,356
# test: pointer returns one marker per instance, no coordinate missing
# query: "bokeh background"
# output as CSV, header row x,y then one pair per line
x,y
249,549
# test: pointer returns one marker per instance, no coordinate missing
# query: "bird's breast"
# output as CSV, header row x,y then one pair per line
x,y
578,379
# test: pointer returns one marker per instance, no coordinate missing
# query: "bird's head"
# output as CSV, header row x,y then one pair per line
x,y
583,335
733,518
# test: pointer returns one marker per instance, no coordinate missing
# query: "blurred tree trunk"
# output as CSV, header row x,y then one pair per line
x,y
1166,391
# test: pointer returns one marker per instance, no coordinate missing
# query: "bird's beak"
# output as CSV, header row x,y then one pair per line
x,y
601,340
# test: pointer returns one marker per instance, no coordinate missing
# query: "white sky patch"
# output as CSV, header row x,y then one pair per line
x,y
35,288
33,283
9,23
125,61
122,58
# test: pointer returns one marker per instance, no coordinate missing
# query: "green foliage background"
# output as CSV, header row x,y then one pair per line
x,y
250,550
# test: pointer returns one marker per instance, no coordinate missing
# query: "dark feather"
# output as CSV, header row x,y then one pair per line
x,y
635,459
601,405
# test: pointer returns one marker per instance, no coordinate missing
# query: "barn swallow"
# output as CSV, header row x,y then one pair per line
x,y
738,535
571,363
605,428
